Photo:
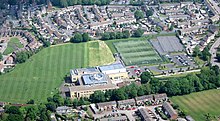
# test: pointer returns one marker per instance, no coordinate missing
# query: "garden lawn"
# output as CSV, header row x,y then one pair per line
x,y
200,103
12,45
41,76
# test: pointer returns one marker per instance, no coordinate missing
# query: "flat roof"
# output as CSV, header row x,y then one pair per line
x,y
92,88
111,67
91,79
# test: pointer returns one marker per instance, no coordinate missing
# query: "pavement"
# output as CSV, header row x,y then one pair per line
x,y
213,51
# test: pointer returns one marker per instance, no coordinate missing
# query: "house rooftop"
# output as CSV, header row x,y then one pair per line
x,y
99,105
169,109
145,115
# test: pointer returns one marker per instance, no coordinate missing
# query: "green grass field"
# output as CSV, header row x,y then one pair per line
x,y
12,45
137,52
41,76
200,103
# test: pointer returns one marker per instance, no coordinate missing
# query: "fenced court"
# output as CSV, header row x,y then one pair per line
x,y
137,52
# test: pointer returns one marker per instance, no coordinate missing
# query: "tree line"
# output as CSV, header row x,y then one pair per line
x,y
209,78
77,38
38,112
121,35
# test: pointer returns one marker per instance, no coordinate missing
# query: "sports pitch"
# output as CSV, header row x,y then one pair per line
x,y
41,76
200,104
137,52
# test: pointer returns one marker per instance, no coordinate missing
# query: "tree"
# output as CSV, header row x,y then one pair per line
x,y
205,54
67,102
51,106
32,112
138,33
85,37
195,79
12,2
15,117
30,101
119,35
140,91
112,35
97,96
217,56
196,51
58,100
1,56
149,13
145,77
171,27
119,94
126,34
138,14
172,87
13,110
63,3
105,36
77,38
46,43
21,57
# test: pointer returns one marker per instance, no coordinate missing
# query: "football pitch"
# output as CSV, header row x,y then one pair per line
x,y
200,104
41,76
137,52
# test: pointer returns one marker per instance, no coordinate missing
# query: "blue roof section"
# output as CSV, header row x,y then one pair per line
x,y
91,79
111,67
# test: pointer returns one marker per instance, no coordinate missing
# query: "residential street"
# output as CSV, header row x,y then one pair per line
x,y
213,51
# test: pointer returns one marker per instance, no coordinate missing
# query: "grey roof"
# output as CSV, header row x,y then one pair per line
x,y
169,109
92,88
189,118
90,79
111,67
126,102
160,96
111,103
142,98
120,118
145,115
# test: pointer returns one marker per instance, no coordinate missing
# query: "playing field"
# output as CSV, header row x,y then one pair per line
x,y
43,73
137,52
199,104
12,45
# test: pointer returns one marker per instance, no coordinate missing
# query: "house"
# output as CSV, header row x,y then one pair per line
x,y
63,110
2,110
142,99
98,25
97,13
119,118
160,97
106,106
2,104
213,29
126,103
189,118
9,60
169,111
145,116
